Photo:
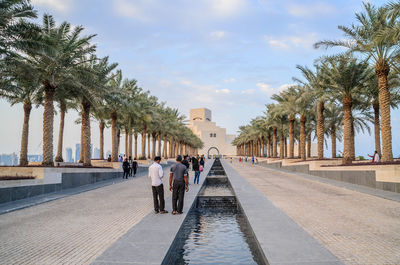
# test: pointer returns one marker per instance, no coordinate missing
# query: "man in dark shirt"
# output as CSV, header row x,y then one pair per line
x,y
178,179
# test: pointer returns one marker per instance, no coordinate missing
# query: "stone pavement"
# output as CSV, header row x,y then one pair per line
x,y
75,229
358,228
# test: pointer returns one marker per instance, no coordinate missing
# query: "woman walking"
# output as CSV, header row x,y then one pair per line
x,y
196,169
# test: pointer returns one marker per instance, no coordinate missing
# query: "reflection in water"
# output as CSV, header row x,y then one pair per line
x,y
214,236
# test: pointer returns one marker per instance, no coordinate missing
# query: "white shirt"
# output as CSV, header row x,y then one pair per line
x,y
156,174
376,157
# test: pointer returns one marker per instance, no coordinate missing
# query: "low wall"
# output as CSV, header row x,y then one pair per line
x,y
57,179
382,177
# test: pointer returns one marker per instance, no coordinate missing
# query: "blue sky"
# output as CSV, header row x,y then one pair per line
x,y
227,55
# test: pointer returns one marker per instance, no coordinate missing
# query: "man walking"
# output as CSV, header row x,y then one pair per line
x,y
178,179
156,174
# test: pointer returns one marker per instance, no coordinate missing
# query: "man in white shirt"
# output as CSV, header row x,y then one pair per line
x,y
156,174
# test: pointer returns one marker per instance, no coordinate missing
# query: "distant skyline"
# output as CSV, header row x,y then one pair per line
x,y
226,55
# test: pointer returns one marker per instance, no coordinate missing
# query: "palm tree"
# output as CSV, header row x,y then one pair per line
x,y
303,101
115,101
56,64
366,38
346,77
313,81
19,86
16,31
334,120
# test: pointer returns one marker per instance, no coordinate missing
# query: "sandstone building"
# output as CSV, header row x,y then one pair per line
x,y
215,139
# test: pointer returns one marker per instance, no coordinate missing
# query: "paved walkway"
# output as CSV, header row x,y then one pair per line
x,y
75,229
358,228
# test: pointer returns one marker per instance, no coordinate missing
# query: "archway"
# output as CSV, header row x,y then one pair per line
x,y
212,151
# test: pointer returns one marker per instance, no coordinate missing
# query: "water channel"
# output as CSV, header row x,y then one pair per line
x,y
215,230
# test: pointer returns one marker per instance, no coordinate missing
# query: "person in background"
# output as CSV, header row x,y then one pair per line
x,y
231,160
109,158
178,179
156,174
130,166
252,160
375,157
125,167
186,161
202,161
134,166
196,169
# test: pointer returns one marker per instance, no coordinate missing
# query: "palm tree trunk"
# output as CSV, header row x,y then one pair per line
x,y
269,146
382,70
148,145
291,136
86,130
136,136
126,142
81,153
285,142
281,146
165,155
114,142
333,139
377,129
159,145
303,120
170,148
130,154
347,104
119,140
101,127
143,155
48,121
320,129
352,145
309,145
59,157
274,143
263,146
23,160
153,152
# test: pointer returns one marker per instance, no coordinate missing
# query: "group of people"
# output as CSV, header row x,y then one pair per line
x,y
130,167
178,181
254,160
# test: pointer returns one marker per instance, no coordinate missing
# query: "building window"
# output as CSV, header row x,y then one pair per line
x,y
215,135
211,135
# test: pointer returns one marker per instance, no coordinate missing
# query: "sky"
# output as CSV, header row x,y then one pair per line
x,y
226,55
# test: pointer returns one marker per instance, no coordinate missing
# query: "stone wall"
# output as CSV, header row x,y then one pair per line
x,y
70,178
360,177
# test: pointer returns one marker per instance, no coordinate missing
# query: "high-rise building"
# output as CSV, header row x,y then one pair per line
x,y
35,158
69,155
77,152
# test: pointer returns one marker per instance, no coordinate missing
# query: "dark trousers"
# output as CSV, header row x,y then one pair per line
x,y
158,197
126,173
178,192
134,171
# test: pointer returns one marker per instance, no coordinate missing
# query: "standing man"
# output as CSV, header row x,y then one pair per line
x,y
178,179
156,174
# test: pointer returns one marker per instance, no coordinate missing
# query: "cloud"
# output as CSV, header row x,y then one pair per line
x,y
230,80
224,91
311,10
270,90
58,5
248,91
292,41
225,8
138,10
218,34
